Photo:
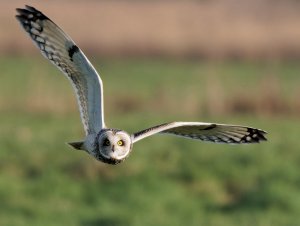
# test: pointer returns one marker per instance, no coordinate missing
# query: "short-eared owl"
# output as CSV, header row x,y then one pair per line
x,y
105,144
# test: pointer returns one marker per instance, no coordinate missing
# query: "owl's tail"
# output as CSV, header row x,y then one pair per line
x,y
77,145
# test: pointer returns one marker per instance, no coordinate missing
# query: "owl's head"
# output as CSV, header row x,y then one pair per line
x,y
114,146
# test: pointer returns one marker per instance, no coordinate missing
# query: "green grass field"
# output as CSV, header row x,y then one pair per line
x,y
166,180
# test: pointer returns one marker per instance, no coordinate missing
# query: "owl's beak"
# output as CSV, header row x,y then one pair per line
x,y
113,148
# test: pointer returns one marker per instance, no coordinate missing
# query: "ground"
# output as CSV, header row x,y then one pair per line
x,y
166,180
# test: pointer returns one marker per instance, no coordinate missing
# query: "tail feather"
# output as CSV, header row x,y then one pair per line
x,y
78,145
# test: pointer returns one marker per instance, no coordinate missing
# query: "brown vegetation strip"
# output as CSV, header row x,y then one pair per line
x,y
208,29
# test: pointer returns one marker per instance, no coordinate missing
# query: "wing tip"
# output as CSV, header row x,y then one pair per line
x,y
30,13
254,136
27,9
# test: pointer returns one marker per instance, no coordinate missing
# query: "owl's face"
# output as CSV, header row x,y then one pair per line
x,y
114,146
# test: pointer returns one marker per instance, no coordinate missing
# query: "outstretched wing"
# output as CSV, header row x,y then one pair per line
x,y
61,50
217,133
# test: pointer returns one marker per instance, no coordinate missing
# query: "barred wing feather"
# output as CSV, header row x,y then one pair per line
x,y
61,50
217,133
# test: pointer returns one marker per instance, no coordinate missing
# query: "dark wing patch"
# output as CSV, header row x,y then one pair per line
x,y
212,126
72,50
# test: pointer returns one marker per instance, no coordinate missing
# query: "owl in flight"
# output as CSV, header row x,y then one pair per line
x,y
110,145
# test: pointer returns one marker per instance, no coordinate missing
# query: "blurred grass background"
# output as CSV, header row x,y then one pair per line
x,y
221,61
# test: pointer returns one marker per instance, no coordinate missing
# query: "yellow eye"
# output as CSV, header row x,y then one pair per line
x,y
106,142
120,143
